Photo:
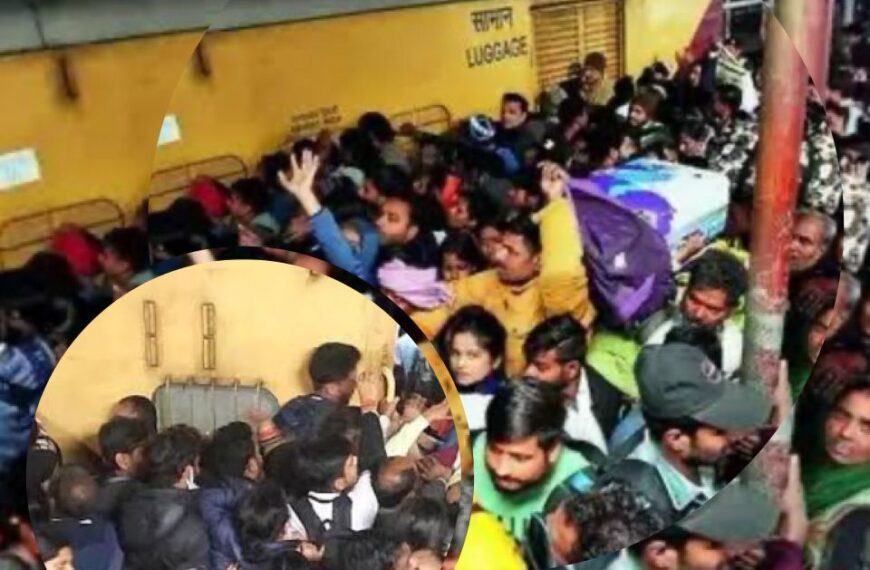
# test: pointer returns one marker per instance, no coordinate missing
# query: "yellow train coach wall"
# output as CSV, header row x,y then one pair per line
x,y
102,144
657,29
268,82
268,318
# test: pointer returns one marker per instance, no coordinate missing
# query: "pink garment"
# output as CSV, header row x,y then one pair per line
x,y
419,287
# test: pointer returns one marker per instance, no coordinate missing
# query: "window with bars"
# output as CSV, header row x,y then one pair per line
x,y
208,403
564,31
744,20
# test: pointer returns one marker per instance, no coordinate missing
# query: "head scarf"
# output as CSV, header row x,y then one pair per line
x,y
827,483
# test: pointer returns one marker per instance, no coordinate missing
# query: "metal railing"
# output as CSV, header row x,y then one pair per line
x,y
22,236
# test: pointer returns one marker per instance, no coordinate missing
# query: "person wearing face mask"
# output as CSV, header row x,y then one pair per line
x,y
160,526
259,520
231,465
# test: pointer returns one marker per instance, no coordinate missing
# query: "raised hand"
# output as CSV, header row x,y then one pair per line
x,y
554,181
248,237
437,413
303,173
781,396
310,551
301,181
431,469
795,524
372,391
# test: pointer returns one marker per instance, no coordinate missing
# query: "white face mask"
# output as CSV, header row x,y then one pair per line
x,y
189,482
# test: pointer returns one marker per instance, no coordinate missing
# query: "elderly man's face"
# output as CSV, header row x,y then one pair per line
x,y
807,244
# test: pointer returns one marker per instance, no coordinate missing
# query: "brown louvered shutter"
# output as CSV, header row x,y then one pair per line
x,y
565,31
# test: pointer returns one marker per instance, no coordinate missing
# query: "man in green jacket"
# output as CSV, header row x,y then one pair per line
x,y
520,460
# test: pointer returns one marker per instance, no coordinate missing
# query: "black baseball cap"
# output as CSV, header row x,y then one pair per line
x,y
677,381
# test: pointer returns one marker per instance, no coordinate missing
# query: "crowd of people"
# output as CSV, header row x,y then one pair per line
x,y
577,424
320,485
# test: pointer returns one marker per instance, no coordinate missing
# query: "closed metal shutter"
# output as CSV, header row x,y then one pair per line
x,y
565,31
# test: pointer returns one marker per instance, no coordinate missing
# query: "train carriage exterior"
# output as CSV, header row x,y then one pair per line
x,y
82,104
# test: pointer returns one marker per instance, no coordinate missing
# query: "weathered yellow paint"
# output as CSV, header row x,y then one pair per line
x,y
269,316
102,145
657,29
389,61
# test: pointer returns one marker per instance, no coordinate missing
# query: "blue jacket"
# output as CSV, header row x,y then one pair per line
x,y
360,262
216,506
24,369
94,542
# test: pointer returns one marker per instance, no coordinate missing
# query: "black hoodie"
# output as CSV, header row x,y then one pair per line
x,y
161,529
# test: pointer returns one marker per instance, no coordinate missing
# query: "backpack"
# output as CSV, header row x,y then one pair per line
x,y
628,261
640,476
319,530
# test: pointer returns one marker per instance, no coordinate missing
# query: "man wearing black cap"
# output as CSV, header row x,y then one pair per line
x,y
691,412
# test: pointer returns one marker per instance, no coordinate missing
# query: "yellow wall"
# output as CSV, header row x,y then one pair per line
x,y
269,316
391,61
101,145
657,29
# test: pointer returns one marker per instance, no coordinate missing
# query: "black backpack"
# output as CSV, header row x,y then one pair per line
x,y
640,476
319,530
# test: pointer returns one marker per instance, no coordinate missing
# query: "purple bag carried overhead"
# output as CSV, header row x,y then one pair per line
x,y
628,261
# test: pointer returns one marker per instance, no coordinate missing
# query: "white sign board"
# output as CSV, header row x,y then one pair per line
x,y
17,168
169,131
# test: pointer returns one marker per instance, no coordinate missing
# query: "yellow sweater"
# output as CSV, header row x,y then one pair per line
x,y
561,287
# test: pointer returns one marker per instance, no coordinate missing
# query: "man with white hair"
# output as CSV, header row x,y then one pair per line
x,y
813,235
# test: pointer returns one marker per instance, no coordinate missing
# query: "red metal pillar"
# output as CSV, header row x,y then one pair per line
x,y
783,102
814,41
783,113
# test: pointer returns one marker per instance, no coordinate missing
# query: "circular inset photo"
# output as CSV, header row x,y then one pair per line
x,y
247,414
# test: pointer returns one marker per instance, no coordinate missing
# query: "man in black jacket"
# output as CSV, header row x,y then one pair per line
x,y
160,525
555,352
122,446
231,464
